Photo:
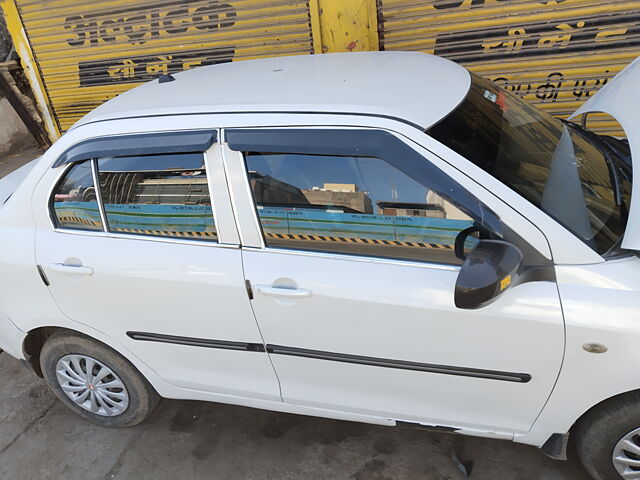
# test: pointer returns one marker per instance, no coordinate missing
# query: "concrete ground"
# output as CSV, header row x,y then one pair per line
x,y
41,439
9,162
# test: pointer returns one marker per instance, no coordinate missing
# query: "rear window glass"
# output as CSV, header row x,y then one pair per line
x,y
74,200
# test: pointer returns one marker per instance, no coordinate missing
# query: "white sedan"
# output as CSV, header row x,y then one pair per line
x,y
376,237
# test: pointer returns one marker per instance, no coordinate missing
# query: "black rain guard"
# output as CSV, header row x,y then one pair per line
x,y
139,144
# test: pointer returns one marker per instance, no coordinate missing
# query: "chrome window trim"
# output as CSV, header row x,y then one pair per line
x,y
357,258
96,186
153,238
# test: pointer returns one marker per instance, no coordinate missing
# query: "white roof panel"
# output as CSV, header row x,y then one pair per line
x,y
415,87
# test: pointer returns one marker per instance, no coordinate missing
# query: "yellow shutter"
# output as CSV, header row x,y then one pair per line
x,y
88,52
553,53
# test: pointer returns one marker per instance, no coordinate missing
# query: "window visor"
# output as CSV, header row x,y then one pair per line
x,y
139,144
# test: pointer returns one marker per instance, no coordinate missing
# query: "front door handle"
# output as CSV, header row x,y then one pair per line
x,y
270,291
71,269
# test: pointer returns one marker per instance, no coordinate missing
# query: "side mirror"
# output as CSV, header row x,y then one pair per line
x,y
488,270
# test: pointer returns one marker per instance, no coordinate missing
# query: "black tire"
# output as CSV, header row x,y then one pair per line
x,y
599,431
142,397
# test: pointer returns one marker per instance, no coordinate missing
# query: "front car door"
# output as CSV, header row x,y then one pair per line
x,y
348,241
141,245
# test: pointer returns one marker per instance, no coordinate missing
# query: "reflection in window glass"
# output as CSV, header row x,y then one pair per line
x,y
357,205
580,179
161,195
74,200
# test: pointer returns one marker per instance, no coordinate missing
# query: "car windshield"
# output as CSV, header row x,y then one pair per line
x,y
568,172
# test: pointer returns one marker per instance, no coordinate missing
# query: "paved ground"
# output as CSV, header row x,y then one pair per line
x,y
41,439
8,163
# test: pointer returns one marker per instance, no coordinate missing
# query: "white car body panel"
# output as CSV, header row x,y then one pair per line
x,y
619,98
351,310
523,331
26,320
612,320
11,337
340,83
182,295
183,283
347,311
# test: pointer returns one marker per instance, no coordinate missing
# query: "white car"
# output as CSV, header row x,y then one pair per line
x,y
376,237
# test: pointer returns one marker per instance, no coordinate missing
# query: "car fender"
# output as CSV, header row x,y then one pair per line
x,y
602,333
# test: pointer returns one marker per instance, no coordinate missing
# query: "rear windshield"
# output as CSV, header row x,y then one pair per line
x,y
566,171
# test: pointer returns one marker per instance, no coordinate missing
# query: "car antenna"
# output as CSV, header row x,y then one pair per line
x,y
165,78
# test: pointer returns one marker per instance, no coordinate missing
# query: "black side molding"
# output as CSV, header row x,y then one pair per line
x,y
332,357
196,342
139,144
400,364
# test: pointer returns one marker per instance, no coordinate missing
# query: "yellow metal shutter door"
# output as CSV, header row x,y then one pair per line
x,y
88,52
553,53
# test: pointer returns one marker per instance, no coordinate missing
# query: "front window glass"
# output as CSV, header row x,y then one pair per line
x,y
160,195
74,200
568,172
353,205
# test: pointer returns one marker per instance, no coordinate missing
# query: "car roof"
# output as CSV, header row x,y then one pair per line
x,y
416,88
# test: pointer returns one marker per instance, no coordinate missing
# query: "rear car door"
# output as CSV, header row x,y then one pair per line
x,y
348,239
142,246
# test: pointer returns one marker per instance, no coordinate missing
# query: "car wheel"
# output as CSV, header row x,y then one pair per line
x,y
608,439
96,382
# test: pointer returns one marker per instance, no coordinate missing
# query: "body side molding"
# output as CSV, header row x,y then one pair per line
x,y
334,357
196,342
400,364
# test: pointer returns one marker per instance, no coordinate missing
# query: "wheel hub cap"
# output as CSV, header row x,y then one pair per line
x,y
92,385
626,455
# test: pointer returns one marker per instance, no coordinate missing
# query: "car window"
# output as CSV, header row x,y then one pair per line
x,y
74,200
160,195
353,205
570,173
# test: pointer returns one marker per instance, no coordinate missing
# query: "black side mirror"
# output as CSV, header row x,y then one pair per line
x,y
488,270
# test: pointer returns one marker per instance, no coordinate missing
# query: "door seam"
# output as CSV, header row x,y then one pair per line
x,y
255,318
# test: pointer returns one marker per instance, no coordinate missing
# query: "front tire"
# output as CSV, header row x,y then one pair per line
x,y
608,439
96,382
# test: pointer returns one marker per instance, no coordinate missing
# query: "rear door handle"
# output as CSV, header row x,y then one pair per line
x,y
270,291
71,269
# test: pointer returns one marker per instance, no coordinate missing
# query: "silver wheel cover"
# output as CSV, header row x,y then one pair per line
x,y
92,385
626,455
